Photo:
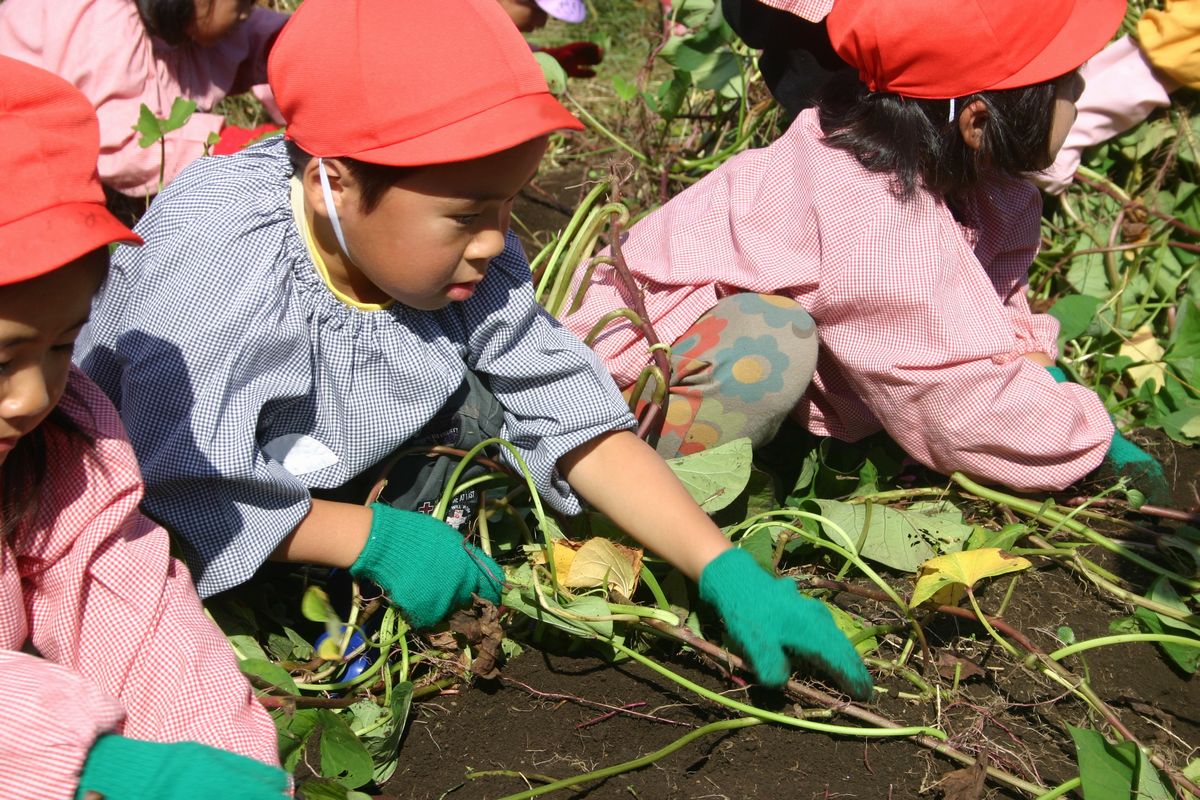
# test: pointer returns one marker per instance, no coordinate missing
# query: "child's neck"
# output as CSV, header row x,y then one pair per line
x,y
343,274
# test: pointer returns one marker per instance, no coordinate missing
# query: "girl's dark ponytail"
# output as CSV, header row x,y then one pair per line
x,y
167,19
916,143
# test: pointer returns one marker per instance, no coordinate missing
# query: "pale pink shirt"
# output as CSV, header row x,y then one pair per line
x,y
102,47
923,321
124,644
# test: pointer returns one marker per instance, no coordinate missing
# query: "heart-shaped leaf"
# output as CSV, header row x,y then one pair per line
x,y
965,569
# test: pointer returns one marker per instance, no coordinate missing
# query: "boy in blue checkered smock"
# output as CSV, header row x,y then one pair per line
x,y
307,308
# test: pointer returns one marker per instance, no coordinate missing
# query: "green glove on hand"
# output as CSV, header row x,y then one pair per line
x,y
129,769
424,566
1125,459
769,618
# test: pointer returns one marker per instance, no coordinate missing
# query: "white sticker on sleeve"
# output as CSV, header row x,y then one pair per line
x,y
300,454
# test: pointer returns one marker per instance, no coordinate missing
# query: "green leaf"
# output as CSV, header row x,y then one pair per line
x,y
1003,539
1075,314
294,730
1185,339
343,757
383,742
149,126
289,646
325,789
761,545
1148,784
715,477
181,112
552,71
1105,769
269,673
851,626
315,605
247,647
901,539
626,90
1161,591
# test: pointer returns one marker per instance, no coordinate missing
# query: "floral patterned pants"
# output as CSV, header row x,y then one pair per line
x,y
738,371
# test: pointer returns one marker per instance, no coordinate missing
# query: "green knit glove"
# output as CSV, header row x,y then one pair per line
x,y
1125,459
769,619
424,566
129,769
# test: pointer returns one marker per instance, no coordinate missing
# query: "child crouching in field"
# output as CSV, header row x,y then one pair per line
x,y
307,308
892,223
113,676
125,53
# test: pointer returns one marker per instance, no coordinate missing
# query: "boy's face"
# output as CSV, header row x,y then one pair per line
x,y
36,340
527,15
430,239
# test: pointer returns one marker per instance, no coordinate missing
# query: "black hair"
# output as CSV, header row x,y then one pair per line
x,y
24,471
373,179
167,19
920,147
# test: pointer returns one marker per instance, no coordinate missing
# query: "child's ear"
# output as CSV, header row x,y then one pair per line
x,y
972,121
310,180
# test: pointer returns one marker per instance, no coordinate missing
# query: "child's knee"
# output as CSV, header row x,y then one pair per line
x,y
767,338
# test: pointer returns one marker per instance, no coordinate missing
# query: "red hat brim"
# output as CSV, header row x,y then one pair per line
x,y
56,236
1088,29
493,130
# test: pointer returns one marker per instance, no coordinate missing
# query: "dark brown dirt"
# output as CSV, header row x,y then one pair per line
x,y
534,721
505,727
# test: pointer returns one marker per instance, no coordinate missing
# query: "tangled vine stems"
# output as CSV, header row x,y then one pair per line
x,y
850,709
1041,511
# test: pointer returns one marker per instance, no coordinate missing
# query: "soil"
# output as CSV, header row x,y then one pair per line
x,y
541,719
553,714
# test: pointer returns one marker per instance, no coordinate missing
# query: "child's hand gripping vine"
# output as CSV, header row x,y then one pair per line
x,y
767,617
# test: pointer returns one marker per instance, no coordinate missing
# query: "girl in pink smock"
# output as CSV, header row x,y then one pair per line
x,y
125,53
115,681
890,224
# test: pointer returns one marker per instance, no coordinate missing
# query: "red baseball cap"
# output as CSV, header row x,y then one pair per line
x,y
938,49
409,82
52,209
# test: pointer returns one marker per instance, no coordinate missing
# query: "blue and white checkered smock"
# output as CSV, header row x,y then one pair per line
x,y
244,382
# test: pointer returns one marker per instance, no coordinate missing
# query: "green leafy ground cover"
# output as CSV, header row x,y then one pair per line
x,y
893,549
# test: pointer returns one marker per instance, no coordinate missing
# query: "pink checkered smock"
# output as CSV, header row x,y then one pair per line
x,y
923,320
124,644
102,48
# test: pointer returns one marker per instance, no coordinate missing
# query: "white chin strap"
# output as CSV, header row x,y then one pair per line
x,y
953,114
331,210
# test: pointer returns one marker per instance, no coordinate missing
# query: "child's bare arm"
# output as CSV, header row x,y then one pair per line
x,y
332,534
771,622
622,477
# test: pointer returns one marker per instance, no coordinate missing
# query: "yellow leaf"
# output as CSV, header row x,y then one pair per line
x,y
563,557
1145,351
963,569
598,563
